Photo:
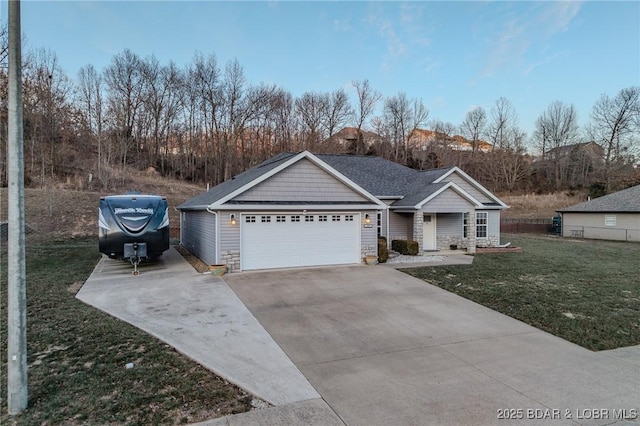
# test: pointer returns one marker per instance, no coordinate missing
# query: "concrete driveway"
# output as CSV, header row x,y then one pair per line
x,y
384,348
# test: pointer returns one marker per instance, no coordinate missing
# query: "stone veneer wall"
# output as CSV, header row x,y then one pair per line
x,y
418,231
369,251
232,259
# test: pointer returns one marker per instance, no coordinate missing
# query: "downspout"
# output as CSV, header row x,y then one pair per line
x,y
388,236
217,234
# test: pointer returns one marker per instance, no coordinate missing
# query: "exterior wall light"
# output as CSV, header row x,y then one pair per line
x,y
233,219
367,219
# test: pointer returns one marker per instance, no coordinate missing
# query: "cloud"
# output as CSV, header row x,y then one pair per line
x,y
523,26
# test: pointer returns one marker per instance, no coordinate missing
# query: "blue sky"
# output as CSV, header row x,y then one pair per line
x,y
453,55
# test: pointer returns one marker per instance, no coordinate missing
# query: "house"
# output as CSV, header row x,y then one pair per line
x,y
426,139
347,138
306,210
611,217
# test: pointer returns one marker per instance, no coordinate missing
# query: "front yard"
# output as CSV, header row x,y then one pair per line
x,y
587,292
77,355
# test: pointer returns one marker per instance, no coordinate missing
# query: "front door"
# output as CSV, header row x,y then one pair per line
x,y
429,231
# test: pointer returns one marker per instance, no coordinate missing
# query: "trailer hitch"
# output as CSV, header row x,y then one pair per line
x,y
135,259
135,252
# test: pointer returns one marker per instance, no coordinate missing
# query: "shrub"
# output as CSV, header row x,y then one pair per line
x,y
408,247
383,251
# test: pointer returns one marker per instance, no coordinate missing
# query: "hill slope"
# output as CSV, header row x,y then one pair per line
x,y
59,212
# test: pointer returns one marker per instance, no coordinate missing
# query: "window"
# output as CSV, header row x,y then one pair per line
x,y
308,218
249,219
379,222
481,224
348,218
609,221
265,219
335,218
281,218
295,218
465,216
322,218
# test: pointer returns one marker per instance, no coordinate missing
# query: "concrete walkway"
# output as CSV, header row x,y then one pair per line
x,y
202,318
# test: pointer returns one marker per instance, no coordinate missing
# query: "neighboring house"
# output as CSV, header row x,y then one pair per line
x,y
427,139
347,137
590,150
611,217
306,210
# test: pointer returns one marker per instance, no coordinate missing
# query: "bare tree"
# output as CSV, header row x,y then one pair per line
x,y
90,101
503,124
338,112
46,98
125,84
555,128
402,116
367,100
312,107
473,126
614,126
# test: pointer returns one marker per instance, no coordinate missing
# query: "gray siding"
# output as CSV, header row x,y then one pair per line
x,y
448,201
462,183
369,236
303,181
494,223
400,226
229,234
594,226
449,224
199,235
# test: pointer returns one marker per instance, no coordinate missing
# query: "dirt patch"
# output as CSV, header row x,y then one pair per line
x,y
75,287
499,250
193,260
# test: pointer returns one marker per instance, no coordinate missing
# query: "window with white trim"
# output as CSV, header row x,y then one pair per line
x,y
265,219
322,218
249,219
465,217
295,218
308,218
281,218
348,218
609,221
335,218
481,224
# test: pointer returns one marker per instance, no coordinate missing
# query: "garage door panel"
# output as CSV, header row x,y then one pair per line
x,y
291,241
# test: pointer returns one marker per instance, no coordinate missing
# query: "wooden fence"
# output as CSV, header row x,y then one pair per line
x,y
525,226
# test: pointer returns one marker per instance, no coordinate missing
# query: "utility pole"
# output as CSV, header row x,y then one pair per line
x,y
17,283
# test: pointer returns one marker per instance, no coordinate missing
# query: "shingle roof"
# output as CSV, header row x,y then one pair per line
x,y
625,201
380,177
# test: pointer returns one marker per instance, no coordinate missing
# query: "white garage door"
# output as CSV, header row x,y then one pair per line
x,y
290,240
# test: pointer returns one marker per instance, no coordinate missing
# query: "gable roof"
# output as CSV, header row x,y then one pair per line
x,y
373,177
224,192
625,201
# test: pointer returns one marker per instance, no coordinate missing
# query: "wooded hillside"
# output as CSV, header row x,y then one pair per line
x,y
204,122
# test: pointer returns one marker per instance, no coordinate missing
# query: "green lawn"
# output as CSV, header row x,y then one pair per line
x,y
587,292
77,356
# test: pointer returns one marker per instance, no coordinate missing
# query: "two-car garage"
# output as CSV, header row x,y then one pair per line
x,y
279,240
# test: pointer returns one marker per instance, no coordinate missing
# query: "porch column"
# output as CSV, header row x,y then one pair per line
x,y
471,232
418,229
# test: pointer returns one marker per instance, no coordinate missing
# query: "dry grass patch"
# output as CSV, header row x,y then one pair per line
x,y
536,206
